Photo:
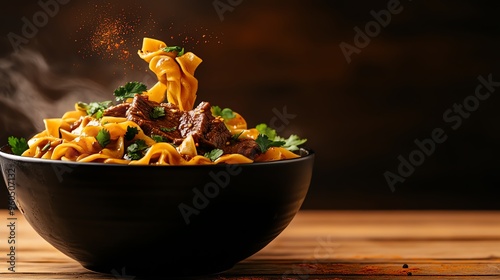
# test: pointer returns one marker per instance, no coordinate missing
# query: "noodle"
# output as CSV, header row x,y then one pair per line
x,y
81,136
175,74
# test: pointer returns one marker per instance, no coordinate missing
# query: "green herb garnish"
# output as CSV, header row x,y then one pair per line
x,y
167,129
158,138
264,143
291,143
94,109
131,133
225,113
18,145
157,112
214,154
46,147
103,137
179,50
264,129
236,136
129,90
136,150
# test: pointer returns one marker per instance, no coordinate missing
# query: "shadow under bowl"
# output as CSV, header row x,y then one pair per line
x,y
157,220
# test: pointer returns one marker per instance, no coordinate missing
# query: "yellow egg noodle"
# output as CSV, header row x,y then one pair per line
x,y
73,137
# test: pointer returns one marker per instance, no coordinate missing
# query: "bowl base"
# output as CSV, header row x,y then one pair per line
x,y
158,271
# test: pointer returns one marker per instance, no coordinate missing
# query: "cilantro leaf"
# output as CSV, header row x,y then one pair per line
x,y
179,50
214,154
266,130
265,143
18,145
129,90
168,129
46,147
236,136
103,137
131,133
136,150
158,138
225,113
94,109
292,143
157,112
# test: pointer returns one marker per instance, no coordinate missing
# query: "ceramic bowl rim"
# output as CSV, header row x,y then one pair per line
x,y
305,153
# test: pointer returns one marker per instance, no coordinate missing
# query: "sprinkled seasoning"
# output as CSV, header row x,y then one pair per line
x,y
190,37
112,34
108,39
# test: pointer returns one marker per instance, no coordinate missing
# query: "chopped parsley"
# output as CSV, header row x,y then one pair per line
x,y
46,147
131,133
291,143
129,90
168,129
236,136
214,154
225,113
266,130
177,49
157,112
18,145
94,109
103,137
265,143
158,138
136,150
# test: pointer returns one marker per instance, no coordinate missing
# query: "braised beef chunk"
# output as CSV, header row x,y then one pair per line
x,y
119,110
140,112
246,147
209,132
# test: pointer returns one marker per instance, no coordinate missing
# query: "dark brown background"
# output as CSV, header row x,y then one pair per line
x,y
264,55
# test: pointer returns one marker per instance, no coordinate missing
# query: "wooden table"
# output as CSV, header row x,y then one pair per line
x,y
320,245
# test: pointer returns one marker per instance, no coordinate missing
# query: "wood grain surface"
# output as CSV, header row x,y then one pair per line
x,y
318,245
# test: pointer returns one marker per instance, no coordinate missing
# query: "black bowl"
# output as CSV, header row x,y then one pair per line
x,y
157,220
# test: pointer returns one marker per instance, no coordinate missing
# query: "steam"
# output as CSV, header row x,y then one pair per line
x,y
30,91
